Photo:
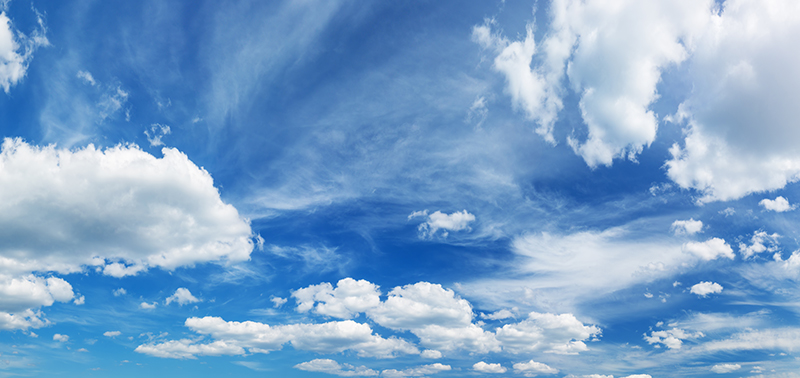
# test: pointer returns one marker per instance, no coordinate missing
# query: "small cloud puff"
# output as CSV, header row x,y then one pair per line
x,y
456,221
60,338
79,300
778,205
710,249
112,333
489,368
533,368
148,306
182,296
686,227
725,368
705,288
120,292
278,301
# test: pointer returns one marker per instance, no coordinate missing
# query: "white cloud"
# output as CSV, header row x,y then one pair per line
x,y
147,306
188,349
20,295
182,296
278,301
349,298
672,338
483,367
79,300
533,368
60,338
686,227
757,244
121,209
16,50
22,320
779,204
561,334
786,339
498,315
120,292
112,333
705,288
710,249
725,368
741,109
431,354
87,77
331,337
323,365
457,221
418,371
156,132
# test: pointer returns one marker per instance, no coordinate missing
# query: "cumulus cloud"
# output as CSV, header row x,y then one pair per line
x,y
741,110
331,337
112,333
120,209
324,365
725,368
710,249
278,301
686,227
778,205
561,334
20,295
79,300
483,367
418,371
533,368
155,133
457,221
119,292
759,242
60,338
672,338
16,50
182,296
349,298
705,288
147,306
431,354
189,349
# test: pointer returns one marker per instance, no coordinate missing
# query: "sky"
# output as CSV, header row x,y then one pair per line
x,y
565,188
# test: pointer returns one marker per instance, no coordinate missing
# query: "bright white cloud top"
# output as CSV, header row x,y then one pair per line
x,y
243,187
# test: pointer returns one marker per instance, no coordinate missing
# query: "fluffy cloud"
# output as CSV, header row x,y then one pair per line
x,y
60,338
533,368
759,242
16,50
182,296
725,368
120,209
188,349
324,365
613,57
147,306
705,288
349,298
18,296
456,221
112,333
331,337
779,204
489,368
418,371
741,110
710,249
672,338
686,227
562,334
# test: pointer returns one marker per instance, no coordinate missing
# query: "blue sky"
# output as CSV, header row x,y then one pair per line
x,y
596,188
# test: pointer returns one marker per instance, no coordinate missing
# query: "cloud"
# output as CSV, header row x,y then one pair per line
x,y
757,244
710,249
112,333
418,371
331,337
672,338
741,108
533,368
705,288
119,209
20,295
725,368
686,227
182,296
16,50
323,365
551,333
489,368
87,77
778,205
457,221
156,132
60,338
787,339
349,298
500,314
79,300
120,292
613,57
148,306
278,301
188,349
431,354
